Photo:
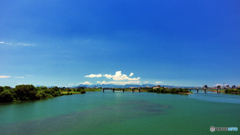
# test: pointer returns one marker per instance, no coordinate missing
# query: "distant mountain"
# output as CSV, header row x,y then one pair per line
x,y
122,86
116,86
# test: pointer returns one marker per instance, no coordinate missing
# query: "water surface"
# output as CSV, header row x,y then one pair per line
x,y
122,113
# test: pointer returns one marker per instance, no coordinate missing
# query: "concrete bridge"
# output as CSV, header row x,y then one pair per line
x,y
121,89
139,89
205,90
198,90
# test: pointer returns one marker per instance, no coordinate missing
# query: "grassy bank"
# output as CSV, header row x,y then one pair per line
x,y
227,91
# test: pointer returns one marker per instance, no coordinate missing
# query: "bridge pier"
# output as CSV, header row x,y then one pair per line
x,y
139,90
113,89
132,90
197,90
123,90
103,90
205,90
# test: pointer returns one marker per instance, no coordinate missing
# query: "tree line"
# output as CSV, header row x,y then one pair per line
x,y
233,91
29,92
166,90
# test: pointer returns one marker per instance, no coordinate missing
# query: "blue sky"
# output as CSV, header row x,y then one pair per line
x,y
167,42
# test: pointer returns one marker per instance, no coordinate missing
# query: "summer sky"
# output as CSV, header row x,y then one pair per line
x,y
166,42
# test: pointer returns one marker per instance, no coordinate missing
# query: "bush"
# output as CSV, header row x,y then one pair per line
x,y
80,88
1,89
13,92
23,91
230,90
180,90
83,92
40,95
6,96
185,90
32,94
49,96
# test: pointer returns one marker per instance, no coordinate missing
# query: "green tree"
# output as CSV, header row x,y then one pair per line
x,y
6,96
1,89
23,91
41,95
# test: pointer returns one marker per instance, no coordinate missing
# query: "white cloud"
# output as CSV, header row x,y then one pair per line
x,y
146,82
108,76
70,84
98,81
218,85
19,77
131,74
118,76
158,82
120,83
21,44
8,43
94,75
85,82
133,79
2,76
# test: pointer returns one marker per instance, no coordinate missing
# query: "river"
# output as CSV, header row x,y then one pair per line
x,y
118,113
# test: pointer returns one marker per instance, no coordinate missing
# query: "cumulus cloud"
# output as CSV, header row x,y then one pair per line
x,y
2,42
85,82
119,83
133,79
131,74
70,84
158,82
94,75
109,76
118,76
2,76
146,82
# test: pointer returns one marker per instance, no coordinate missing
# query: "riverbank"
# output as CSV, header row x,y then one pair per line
x,y
30,92
226,91
172,90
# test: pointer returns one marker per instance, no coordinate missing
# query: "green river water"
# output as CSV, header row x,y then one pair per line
x,y
122,113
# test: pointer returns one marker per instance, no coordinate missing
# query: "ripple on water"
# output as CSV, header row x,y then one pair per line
x,y
110,114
